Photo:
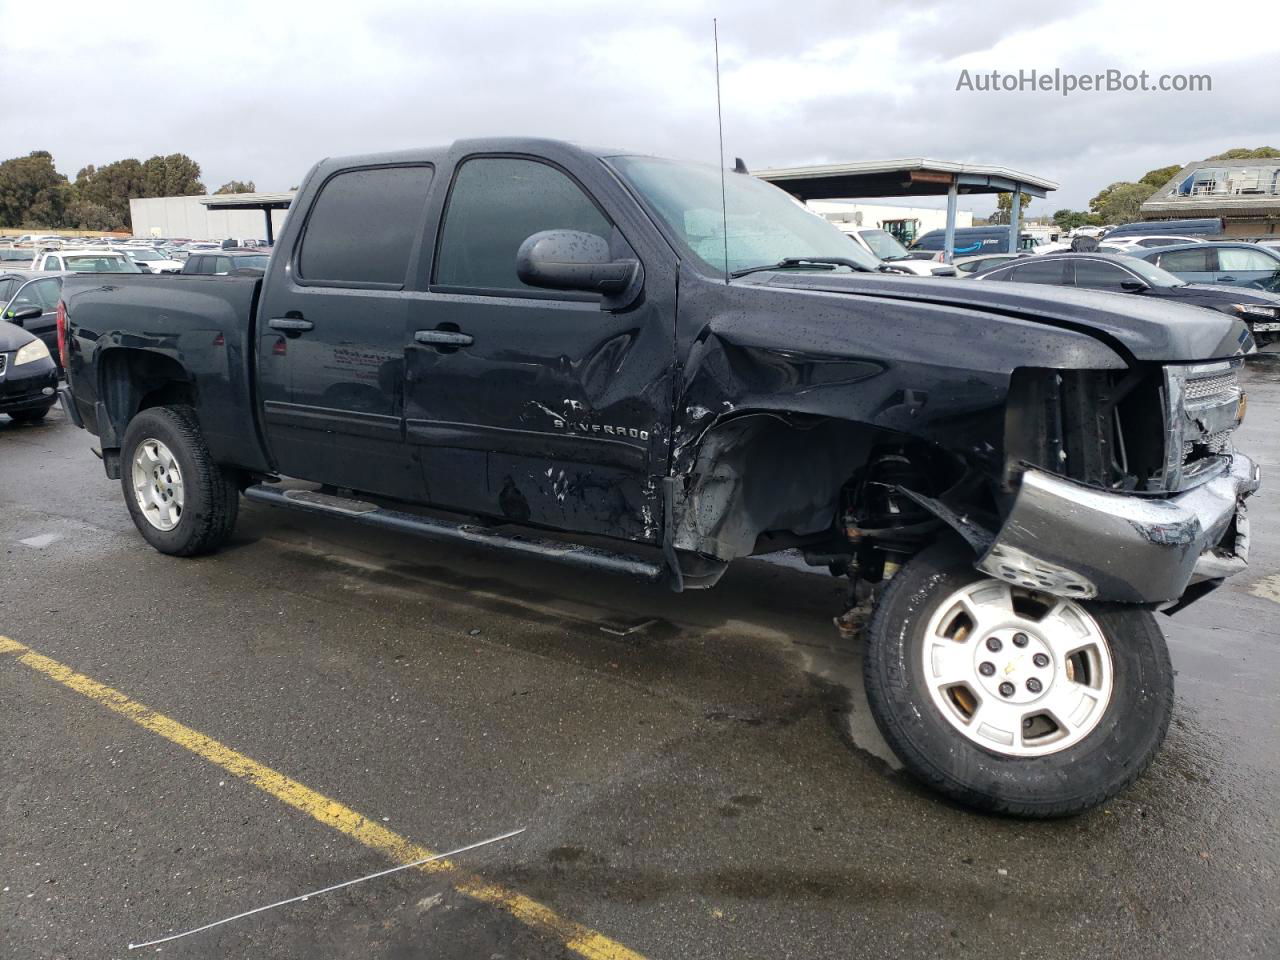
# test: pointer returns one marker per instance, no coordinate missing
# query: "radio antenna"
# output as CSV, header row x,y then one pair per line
x,y
724,206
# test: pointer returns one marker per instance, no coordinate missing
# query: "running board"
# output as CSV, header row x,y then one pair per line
x,y
362,511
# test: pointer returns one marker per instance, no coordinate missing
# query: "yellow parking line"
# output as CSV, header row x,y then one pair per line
x,y
581,940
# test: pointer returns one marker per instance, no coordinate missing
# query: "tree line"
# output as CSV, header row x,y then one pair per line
x,y
1120,202
34,195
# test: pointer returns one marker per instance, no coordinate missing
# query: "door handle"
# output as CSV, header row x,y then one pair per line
x,y
443,338
290,324
1226,279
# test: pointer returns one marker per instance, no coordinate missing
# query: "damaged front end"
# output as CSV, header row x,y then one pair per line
x,y
1126,487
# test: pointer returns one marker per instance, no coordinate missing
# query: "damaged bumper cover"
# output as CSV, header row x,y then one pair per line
x,y
1074,541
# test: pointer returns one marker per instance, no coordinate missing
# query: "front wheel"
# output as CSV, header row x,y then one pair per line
x,y
1010,700
182,502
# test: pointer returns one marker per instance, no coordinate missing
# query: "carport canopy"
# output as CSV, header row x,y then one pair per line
x,y
914,177
266,202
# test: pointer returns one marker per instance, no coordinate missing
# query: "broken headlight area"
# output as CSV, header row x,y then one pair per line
x,y
1152,430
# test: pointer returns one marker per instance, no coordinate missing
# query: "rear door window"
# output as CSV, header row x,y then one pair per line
x,y
363,226
495,205
1037,271
1187,261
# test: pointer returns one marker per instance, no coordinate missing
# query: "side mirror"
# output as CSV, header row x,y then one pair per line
x,y
22,314
1132,286
573,260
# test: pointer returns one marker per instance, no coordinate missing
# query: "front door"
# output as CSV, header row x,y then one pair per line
x,y
43,293
532,405
1247,268
331,334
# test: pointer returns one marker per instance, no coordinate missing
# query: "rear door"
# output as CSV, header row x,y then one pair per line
x,y
332,332
537,405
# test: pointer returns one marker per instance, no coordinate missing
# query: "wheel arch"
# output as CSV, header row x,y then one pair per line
x,y
798,467
131,379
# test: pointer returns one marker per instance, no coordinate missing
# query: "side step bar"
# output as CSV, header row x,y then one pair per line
x,y
433,528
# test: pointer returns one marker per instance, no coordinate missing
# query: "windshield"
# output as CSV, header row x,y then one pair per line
x,y
765,224
883,244
94,263
145,255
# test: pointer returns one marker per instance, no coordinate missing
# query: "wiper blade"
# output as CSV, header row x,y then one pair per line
x,y
790,262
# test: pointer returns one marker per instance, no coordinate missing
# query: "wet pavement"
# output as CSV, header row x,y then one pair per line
x,y
698,773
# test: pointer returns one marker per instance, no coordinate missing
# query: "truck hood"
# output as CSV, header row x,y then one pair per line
x,y
1147,330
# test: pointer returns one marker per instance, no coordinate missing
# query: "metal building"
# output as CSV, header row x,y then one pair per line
x,y
216,217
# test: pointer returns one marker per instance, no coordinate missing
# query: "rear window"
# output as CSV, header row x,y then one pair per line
x,y
93,263
363,226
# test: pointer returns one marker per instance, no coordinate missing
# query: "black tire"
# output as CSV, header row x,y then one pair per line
x,y
211,498
31,416
1070,781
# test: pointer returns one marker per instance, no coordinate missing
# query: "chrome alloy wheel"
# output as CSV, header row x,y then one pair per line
x,y
1020,673
157,484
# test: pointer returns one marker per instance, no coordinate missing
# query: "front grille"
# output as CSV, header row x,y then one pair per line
x,y
4,358
1214,444
1203,410
1214,387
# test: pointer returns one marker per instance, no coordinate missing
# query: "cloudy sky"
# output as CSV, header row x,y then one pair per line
x,y
259,91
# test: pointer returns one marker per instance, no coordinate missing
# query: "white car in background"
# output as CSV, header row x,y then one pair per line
x,y
1152,240
152,261
84,260
885,246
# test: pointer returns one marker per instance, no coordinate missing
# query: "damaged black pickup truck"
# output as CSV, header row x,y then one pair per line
x,y
578,355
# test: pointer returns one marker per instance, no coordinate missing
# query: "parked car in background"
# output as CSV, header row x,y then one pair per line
x,y
969,241
226,262
1223,262
1128,275
85,260
152,261
885,246
26,291
1142,242
28,377
968,265
1203,227
15,258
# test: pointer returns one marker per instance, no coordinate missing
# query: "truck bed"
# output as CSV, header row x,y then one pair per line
x,y
204,324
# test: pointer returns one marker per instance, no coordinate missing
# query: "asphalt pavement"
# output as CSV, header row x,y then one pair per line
x,y
697,774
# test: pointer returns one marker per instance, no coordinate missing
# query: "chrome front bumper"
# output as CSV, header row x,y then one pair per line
x,y
1074,541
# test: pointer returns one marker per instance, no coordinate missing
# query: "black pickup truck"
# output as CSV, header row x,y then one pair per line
x,y
579,355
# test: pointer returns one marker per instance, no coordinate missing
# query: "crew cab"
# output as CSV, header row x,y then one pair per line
x,y
563,353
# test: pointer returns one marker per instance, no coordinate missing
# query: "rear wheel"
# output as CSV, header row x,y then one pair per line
x,y
182,502
1011,700
31,416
